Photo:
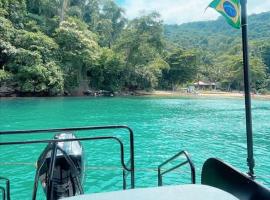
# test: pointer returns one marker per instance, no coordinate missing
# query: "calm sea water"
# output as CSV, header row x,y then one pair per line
x,y
162,127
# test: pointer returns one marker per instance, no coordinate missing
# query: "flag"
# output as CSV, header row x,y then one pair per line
x,y
230,9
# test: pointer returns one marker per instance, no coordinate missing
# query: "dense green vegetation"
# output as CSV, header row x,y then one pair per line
x,y
219,49
52,47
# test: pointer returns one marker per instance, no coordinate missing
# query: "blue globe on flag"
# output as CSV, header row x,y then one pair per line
x,y
229,9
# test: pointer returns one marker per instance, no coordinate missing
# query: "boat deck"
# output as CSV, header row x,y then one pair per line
x,y
186,192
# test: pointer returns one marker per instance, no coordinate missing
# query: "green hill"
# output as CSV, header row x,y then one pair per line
x,y
216,34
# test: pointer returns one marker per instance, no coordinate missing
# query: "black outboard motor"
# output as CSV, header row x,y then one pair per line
x,y
67,171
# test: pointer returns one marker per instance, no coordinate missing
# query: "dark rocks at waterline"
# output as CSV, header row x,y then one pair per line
x,y
89,93
99,93
105,93
6,91
67,93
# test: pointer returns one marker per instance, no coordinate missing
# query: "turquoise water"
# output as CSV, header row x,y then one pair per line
x,y
162,127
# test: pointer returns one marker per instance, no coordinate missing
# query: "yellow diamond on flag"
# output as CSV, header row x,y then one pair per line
x,y
230,9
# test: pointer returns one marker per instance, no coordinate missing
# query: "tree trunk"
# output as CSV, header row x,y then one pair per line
x,y
63,10
229,87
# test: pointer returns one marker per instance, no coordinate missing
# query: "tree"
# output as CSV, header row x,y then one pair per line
x,y
233,71
89,44
149,75
265,53
183,67
78,49
7,32
91,13
38,42
6,53
5,77
41,79
141,43
108,73
15,11
111,23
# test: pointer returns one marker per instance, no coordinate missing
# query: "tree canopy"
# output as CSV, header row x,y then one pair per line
x,y
52,47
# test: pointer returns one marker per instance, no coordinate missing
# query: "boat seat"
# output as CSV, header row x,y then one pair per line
x,y
218,174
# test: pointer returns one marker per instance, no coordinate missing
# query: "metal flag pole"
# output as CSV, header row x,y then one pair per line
x,y
250,157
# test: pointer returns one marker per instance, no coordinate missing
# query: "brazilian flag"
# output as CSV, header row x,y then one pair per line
x,y
230,9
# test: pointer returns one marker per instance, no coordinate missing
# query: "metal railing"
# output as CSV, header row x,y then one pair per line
x,y
5,190
128,168
188,161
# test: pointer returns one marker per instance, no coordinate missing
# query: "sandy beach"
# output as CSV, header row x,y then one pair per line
x,y
216,94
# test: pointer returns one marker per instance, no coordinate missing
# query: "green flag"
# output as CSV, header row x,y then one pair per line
x,y
230,9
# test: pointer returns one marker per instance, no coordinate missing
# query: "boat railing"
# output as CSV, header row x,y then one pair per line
x,y
5,190
127,167
187,161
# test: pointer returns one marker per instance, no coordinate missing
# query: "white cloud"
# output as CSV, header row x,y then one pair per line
x,y
181,11
258,6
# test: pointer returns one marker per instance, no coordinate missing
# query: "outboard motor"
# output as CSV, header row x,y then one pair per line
x,y
66,170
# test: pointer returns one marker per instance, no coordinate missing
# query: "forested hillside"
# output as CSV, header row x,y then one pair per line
x,y
219,48
56,47
52,47
209,34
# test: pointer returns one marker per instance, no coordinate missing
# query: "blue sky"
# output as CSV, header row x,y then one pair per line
x,y
120,1
182,11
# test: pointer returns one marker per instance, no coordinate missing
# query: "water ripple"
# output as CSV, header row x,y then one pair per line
x,y
162,126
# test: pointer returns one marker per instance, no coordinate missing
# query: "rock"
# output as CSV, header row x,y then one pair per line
x,y
6,91
89,93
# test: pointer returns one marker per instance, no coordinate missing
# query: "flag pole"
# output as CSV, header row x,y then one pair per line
x,y
250,157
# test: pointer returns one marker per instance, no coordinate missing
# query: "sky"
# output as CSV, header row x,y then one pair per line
x,y
183,11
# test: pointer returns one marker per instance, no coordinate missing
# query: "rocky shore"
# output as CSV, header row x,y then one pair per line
x,y
11,92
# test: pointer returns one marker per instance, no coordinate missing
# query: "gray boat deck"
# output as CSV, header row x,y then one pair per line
x,y
183,192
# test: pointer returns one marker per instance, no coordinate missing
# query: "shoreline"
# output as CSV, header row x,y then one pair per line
x,y
216,94
163,93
